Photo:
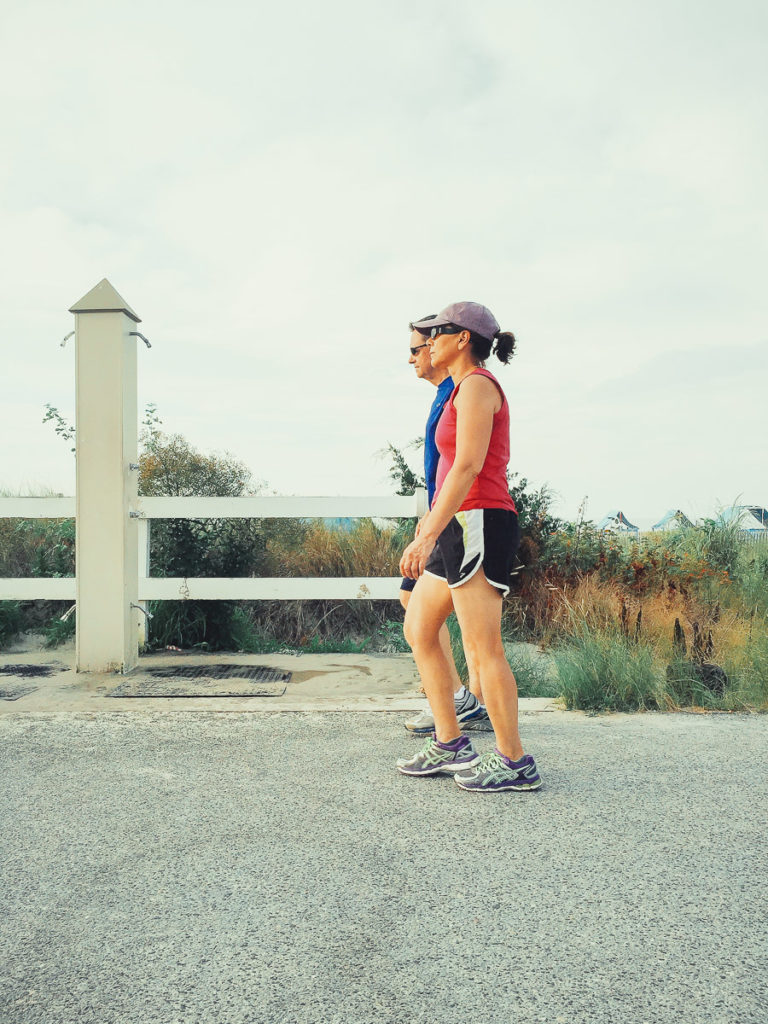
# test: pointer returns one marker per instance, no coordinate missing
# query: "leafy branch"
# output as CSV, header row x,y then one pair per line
x,y
65,430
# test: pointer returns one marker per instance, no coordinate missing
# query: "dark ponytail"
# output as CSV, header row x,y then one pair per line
x,y
503,346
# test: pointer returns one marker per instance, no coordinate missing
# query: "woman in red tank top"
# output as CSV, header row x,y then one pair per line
x,y
462,557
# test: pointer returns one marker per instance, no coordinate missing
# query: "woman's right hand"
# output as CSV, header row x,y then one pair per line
x,y
416,555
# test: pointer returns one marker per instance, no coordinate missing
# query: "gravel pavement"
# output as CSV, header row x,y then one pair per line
x,y
227,868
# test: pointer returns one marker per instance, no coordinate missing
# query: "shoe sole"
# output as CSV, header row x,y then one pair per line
x,y
449,769
526,787
484,725
480,725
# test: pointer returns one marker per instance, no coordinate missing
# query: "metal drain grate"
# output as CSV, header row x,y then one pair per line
x,y
28,671
10,692
205,681
257,673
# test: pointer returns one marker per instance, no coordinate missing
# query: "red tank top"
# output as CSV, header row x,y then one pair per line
x,y
489,489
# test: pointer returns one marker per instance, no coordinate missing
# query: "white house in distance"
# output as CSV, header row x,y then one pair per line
x,y
752,519
616,522
672,520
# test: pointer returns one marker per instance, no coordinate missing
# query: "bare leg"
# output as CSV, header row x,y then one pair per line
x,y
475,683
429,606
445,643
478,609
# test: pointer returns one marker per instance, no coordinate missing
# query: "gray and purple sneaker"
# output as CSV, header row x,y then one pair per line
x,y
496,773
436,757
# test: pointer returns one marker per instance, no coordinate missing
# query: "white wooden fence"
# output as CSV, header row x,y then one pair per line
x,y
154,588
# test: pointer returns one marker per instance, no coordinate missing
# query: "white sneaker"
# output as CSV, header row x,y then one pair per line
x,y
471,714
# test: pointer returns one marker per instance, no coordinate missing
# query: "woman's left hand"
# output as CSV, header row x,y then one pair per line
x,y
415,556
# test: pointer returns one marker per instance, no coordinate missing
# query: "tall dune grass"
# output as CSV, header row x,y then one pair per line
x,y
622,610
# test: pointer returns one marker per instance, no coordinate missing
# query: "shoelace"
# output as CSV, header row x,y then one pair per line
x,y
431,747
426,750
494,765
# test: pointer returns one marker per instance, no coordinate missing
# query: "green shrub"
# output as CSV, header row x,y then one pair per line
x,y
457,648
576,548
752,580
11,621
684,688
207,625
58,632
37,547
532,673
390,638
170,466
607,672
748,676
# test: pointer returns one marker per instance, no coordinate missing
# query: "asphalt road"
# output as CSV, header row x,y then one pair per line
x,y
161,867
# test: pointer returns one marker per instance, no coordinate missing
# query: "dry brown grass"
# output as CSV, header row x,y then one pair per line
x,y
366,550
598,604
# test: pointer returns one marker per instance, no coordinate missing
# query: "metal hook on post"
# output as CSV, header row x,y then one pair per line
x,y
141,609
138,334
66,339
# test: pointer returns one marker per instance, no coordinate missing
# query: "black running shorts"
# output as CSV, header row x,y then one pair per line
x,y
487,537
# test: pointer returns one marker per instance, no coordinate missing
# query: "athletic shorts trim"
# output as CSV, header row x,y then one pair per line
x,y
475,537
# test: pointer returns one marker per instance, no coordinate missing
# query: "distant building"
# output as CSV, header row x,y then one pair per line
x,y
616,522
752,519
672,520
343,524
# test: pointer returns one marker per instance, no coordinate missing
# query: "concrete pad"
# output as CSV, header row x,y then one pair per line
x,y
319,682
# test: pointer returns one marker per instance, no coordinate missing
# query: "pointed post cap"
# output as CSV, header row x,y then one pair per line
x,y
104,299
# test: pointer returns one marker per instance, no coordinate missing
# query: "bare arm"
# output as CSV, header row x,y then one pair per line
x,y
476,403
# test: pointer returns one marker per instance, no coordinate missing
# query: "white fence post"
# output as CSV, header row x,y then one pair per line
x,y
107,444
144,535
422,504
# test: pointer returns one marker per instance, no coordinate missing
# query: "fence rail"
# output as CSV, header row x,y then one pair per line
x,y
37,508
383,507
38,588
252,507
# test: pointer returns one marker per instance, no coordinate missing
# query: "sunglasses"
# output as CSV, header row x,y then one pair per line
x,y
435,332
417,348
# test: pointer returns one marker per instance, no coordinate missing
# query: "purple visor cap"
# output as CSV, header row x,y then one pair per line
x,y
469,315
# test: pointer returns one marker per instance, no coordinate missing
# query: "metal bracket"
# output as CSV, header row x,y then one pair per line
x,y
134,465
136,515
66,339
141,609
138,334
68,612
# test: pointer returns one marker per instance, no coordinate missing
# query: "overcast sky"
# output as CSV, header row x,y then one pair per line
x,y
277,189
